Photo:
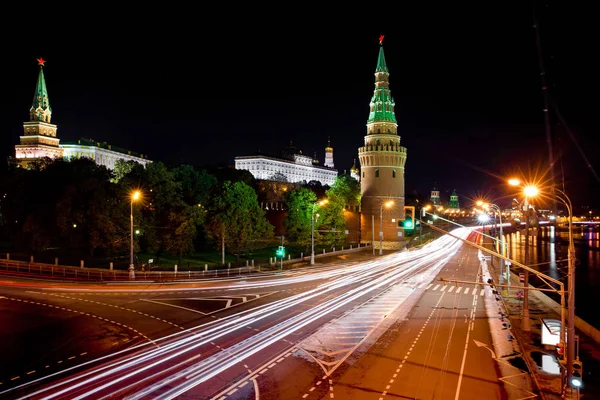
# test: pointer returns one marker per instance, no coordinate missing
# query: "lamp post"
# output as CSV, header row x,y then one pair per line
x,y
387,205
562,196
134,197
497,210
528,191
312,231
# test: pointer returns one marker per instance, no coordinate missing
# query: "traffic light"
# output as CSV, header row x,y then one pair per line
x,y
409,218
280,252
560,350
576,378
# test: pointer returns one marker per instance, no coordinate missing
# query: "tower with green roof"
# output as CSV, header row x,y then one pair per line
x,y
39,134
382,161
453,204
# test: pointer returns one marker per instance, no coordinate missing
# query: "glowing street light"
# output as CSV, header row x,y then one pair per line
x,y
387,205
528,191
312,231
135,196
483,218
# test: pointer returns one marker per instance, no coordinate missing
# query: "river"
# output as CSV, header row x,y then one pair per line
x,y
548,254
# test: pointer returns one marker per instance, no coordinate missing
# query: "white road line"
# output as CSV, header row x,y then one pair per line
x,y
430,285
172,305
467,290
482,292
451,289
459,289
443,288
256,392
436,287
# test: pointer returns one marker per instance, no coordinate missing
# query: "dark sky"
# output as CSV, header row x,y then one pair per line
x,y
203,85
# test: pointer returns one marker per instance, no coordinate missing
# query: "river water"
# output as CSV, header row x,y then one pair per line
x,y
548,249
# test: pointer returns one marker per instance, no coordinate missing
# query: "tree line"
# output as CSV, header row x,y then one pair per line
x,y
78,206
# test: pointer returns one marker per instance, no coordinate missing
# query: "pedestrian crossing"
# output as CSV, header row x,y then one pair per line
x,y
478,290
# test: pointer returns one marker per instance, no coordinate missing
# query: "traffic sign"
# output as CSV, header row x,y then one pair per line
x,y
521,277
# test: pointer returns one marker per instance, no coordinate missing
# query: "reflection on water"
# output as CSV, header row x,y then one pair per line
x,y
548,254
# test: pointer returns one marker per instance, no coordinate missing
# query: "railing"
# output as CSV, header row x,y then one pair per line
x,y
52,271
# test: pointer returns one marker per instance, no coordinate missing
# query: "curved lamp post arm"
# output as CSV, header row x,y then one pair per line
x,y
562,196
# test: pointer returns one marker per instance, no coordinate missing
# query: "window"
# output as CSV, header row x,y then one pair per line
x,y
393,173
363,174
377,173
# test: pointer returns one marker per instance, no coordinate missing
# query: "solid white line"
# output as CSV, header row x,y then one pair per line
x,y
173,305
256,393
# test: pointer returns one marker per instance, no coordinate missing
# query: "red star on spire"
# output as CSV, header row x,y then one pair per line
x,y
41,61
381,39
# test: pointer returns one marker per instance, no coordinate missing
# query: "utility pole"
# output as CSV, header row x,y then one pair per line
x,y
281,262
381,230
373,234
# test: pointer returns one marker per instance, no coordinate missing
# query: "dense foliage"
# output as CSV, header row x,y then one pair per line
x,y
78,207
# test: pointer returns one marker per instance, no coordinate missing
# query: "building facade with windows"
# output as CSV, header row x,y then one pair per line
x,y
293,167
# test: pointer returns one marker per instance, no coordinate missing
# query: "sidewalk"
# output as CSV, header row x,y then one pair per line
x,y
542,361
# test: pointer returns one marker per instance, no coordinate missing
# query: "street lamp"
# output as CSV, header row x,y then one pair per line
x,y
528,191
496,208
312,231
573,382
134,197
387,205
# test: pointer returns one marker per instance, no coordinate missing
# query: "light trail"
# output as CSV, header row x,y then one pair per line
x,y
369,277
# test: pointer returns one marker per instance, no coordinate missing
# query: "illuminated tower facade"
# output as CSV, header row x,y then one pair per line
x,y
354,171
382,161
39,135
454,206
435,196
328,155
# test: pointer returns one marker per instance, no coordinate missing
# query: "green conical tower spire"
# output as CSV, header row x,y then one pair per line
x,y
381,66
382,103
40,108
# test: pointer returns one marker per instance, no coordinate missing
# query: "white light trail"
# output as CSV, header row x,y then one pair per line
x,y
152,363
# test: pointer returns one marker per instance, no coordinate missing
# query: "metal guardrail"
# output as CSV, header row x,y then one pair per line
x,y
52,271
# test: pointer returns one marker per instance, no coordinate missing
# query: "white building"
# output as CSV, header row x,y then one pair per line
x,y
299,169
102,153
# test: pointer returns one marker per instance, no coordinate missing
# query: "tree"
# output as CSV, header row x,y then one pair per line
x,y
236,217
195,185
344,192
298,224
348,189
122,168
183,229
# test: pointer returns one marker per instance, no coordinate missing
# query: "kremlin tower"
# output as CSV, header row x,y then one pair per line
x,y
39,135
328,155
382,161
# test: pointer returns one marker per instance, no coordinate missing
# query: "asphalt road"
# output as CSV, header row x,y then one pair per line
x,y
308,332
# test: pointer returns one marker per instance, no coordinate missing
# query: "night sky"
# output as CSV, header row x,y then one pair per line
x,y
201,86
